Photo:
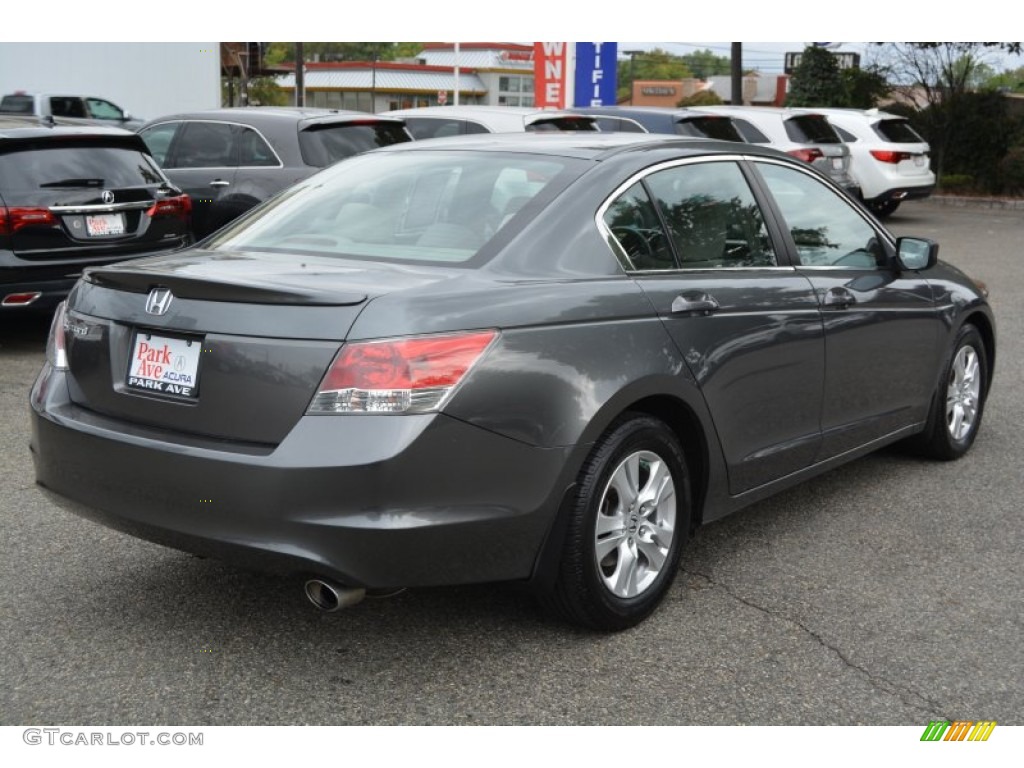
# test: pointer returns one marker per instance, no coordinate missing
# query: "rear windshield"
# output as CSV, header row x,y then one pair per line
x,y
82,165
17,105
565,123
898,132
709,128
437,127
811,129
414,207
324,144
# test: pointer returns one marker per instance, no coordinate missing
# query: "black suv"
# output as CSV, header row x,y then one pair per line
x,y
72,197
230,160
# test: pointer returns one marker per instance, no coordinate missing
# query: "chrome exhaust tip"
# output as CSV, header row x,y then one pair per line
x,y
330,597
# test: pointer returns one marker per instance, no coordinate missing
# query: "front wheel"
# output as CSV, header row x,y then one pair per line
x,y
628,522
960,400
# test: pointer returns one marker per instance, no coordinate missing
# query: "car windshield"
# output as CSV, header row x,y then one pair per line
x,y
323,144
440,207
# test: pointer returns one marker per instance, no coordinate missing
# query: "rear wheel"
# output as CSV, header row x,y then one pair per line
x,y
628,522
960,400
884,209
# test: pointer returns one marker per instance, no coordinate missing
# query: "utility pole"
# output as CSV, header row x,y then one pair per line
x,y
300,76
737,74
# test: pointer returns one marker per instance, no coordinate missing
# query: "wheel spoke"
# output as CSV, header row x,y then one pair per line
x,y
655,555
623,579
626,480
608,545
661,531
956,421
608,524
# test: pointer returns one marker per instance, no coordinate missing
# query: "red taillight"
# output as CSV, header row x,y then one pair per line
x,y
13,219
398,375
807,155
180,206
888,156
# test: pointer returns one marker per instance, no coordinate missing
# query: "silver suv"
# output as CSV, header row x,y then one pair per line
x,y
803,134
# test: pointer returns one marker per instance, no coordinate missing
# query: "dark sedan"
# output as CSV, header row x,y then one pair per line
x,y
520,357
230,160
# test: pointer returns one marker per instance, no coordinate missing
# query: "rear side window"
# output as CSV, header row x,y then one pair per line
x,y
203,145
75,165
811,129
436,128
253,151
750,133
17,105
845,135
720,128
327,143
898,132
636,231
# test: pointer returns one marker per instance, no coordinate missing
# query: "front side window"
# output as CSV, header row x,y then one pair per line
x,y
712,216
102,109
826,229
158,138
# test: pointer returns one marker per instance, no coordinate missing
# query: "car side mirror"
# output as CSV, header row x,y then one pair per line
x,y
916,253
126,115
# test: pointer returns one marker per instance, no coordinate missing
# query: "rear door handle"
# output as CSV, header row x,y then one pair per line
x,y
838,298
220,183
694,303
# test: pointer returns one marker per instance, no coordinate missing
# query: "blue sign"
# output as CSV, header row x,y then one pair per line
x,y
595,74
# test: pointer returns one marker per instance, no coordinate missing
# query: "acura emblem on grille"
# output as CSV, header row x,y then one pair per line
x,y
108,196
159,301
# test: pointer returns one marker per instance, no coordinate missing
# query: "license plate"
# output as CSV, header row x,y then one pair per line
x,y
105,224
168,365
837,163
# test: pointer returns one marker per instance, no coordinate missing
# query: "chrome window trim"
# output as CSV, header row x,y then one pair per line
x,y
642,174
101,208
183,121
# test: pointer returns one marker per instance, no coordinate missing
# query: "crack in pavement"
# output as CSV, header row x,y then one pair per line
x,y
904,693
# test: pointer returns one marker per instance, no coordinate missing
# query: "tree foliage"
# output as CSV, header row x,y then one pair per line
x,y
704,63
817,81
279,53
705,98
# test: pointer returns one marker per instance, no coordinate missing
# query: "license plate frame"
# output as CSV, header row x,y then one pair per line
x,y
161,363
104,224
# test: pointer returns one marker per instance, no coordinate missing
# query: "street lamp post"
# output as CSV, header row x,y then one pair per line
x,y
632,69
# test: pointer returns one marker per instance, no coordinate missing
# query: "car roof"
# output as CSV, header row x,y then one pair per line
x,y
584,144
34,128
870,114
260,116
490,115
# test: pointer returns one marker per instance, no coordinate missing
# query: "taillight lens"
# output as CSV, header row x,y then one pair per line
x,y
807,155
180,206
13,219
56,347
414,375
889,156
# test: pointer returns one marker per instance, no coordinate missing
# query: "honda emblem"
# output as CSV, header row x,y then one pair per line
x,y
159,301
108,196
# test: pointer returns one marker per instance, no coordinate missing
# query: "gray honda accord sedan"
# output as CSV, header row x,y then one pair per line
x,y
509,357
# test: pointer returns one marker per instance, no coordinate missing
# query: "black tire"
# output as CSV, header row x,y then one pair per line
x,y
581,593
884,209
942,438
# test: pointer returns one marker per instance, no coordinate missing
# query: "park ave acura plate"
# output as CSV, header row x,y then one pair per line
x,y
165,364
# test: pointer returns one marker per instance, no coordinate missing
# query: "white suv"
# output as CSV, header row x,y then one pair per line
x,y
805,134
890,159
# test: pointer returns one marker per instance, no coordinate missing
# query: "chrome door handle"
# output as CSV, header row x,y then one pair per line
x,y
220,183
694,303
838,298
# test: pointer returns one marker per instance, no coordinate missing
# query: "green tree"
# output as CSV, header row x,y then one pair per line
x,y
707,98
704,64
279,53
1009,80
864,88
816,82
656,64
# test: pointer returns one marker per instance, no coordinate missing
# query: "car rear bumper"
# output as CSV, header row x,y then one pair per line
x,y
370,501
904,193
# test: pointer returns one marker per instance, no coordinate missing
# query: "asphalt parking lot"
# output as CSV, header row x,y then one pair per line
x,y
888,592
